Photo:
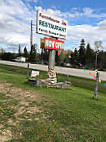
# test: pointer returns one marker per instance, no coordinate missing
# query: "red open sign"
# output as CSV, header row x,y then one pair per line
x,y
54,44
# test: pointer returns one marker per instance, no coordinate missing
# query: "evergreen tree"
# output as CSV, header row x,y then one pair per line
x,y
75,54
82,52
104,67
45,55
33,53
101,60
25,52
19,51
90,55
41,57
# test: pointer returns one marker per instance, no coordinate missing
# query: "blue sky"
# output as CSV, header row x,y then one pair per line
x,y
86,19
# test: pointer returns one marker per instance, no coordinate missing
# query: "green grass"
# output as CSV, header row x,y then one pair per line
x,y
75,81
71,114
5,108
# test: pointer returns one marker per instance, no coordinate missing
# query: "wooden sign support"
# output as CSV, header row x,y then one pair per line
x,y
51,67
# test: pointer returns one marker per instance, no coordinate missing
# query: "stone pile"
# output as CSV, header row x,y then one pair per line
x,y
52,77
48,83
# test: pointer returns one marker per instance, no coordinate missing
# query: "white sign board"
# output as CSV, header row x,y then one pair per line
x,y
51,25
34,73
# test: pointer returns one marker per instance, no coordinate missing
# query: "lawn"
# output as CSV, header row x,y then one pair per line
x,y
63,115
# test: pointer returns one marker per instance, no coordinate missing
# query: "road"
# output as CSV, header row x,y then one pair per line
x,y
61,70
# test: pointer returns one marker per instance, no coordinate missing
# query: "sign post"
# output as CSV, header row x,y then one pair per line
x,y
55,28
51,71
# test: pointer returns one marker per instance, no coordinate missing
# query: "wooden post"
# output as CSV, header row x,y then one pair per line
x,y
28,70
96,85
96,62
51,60
51,66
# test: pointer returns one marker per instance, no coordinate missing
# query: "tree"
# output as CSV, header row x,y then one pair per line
x,y
37,57
25,52
98,45
68,53
75,55
2,51
104,60
62,56
89,56
19,51
33,53
44,55
101,60
82,52
7,56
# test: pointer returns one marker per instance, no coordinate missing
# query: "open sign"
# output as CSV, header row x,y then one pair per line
x,y
54,44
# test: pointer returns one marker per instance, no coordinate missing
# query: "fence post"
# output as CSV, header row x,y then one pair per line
x,y
28,70
96,85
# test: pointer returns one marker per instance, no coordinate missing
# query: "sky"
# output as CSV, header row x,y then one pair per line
x,y
86,20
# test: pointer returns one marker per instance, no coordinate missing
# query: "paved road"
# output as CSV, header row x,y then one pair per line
x,y
61,70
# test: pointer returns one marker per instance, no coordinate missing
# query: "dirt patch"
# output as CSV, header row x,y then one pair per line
x,y
23,109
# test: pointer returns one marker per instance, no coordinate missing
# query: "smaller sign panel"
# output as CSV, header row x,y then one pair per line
x,y
34,73
54,44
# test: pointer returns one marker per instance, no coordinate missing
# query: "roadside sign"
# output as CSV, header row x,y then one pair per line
x,y
51,25
34,73
54,44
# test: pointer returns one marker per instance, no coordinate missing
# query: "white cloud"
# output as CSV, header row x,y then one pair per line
x,y
38,8
32,1
15,20
88,11
84,12
88,32
102,25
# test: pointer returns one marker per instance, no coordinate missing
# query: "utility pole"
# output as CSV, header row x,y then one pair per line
x,y
31,36
31,43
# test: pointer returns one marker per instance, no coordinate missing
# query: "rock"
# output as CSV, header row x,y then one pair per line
x,y
50,82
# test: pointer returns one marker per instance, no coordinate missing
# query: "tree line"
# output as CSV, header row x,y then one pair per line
x,y
85,56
